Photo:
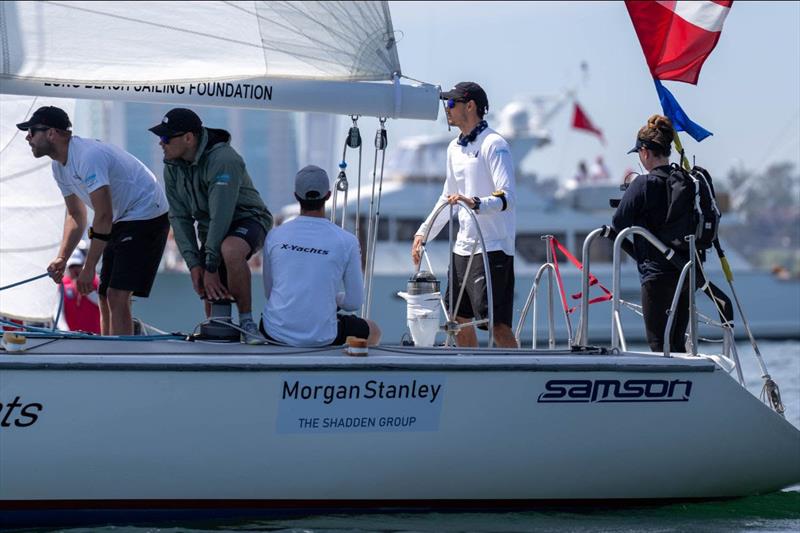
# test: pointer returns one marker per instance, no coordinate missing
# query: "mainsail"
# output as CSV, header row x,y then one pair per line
x,y
336,57
31,215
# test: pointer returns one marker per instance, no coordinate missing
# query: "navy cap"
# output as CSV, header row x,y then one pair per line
x,y
51,116
178,120
466,91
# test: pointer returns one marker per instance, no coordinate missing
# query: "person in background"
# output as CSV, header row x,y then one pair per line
x,y
310,267
130,225
81,312
598,172
582,176
208,185
645,204
480,173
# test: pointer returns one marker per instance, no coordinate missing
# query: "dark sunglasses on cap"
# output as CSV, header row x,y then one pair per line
x,y
166,138
451,103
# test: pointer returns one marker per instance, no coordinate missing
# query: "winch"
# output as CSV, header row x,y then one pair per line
x,y
422,282
219,326
423,310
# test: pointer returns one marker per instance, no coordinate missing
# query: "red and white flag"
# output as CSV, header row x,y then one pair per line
x,y
581,121
678,35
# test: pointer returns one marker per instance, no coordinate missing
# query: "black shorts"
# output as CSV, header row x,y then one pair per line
x,y
250,231
350,326
474,303
346,326
132,255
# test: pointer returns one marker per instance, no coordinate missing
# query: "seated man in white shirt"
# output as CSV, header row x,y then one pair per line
x,y
311,266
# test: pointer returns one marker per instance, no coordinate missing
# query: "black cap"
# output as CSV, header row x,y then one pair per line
x,y
50,116
650,145
178,120
466,91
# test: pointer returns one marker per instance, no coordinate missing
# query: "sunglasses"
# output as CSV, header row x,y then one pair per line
x,y
166,138
33,131
451,103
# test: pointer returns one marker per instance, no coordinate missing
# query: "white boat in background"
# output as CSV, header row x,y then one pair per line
x,y
93,426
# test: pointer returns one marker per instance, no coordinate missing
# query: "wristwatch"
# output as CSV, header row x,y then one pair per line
x,y
477,205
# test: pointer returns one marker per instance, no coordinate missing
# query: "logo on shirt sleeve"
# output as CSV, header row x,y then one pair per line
x,y
223,179
90,180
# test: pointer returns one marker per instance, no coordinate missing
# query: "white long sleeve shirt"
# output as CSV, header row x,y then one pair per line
x,y
484,168
310,265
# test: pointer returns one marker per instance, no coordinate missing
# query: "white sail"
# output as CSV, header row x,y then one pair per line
x,y
338,57
31,215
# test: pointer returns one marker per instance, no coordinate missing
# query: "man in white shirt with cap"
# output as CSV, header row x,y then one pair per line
x,y
312,266
480,174
130,225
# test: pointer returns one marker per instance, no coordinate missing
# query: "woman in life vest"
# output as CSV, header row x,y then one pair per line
x,y
645,204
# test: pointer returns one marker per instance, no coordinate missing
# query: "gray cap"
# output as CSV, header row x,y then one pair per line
x,y
311,183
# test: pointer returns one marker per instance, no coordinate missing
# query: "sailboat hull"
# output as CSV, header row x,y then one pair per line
x,y
105,425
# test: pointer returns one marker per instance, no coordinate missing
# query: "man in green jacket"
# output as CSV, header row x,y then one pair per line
x,y
207,183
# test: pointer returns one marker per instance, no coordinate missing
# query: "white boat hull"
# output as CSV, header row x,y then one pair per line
x,y
102,424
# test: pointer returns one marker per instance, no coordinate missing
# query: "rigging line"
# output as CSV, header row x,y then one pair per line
x,y
775,143
18,131
24,281
21,173
418,81
155,24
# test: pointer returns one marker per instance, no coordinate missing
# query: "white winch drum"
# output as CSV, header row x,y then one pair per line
x,y
423,315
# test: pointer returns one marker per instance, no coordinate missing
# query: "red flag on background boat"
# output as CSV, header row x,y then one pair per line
x,y
581,122
678,35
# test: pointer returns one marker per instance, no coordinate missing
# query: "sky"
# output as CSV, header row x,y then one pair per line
x,y
748,93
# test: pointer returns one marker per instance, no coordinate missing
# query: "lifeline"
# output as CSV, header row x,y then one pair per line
x,y
372,389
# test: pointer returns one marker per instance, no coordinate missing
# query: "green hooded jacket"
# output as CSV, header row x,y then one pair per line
x,y
215,191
